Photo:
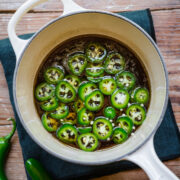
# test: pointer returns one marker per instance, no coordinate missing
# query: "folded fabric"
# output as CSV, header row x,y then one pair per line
x,y
167,138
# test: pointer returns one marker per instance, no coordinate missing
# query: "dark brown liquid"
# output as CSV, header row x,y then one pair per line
x,y
59,57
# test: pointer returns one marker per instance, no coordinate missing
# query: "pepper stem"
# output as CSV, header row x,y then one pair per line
x,y
9,136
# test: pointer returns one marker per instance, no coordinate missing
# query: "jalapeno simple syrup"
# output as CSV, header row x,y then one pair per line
x,y
92,92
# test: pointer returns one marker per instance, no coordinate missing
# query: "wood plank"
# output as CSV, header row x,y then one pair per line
x,y
15,167
108,5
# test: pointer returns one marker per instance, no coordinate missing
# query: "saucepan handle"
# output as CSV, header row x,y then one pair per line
x,y
19,44
147,159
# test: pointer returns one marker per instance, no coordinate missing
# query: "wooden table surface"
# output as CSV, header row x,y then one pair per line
x,y
166,17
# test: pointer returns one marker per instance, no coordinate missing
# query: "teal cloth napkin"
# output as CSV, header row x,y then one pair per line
x,y
167,138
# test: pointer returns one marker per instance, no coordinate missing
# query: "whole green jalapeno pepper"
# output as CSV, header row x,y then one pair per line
x,y
4,147
35,170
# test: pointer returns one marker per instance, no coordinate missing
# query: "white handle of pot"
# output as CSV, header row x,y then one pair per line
x,y
19,44
148,160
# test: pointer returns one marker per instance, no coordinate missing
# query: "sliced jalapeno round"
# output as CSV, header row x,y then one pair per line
x,y
94,70
114,63
44,91
125,123
102,128
77,63
110,112
49,123
125,80
49,105
94,101
84,117
119,135
67,133
65,92
140,95
87,142
83,130
95,79
73,80
107,85
95,52
136,113
70,118
60,112
85,89
78,105
120,98
53,75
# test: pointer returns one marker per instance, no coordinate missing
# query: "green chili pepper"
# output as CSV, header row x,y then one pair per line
x,y
35,170
4,147
108,85
77,63
110,112
95,52
126,80
114,63
87,142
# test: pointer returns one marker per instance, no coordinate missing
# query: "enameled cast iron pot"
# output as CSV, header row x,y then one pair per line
x,y
77,21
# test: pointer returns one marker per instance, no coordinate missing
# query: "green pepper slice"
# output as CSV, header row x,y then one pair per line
x,y
107,85
78,105
85,89
110,112
49,123
60,112
73,80
67,133
44,91
49,105
102,128
84,117
140,95
53,75
94,70
95,52
87,142
95,79
65,92
119,135
94,101
136,113
125,123
120,98
114,63
126,80
77,63
70,119
83,130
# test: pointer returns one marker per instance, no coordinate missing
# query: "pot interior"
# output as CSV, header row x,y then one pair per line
x,y
83,24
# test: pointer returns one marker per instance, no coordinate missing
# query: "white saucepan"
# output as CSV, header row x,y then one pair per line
x,y
77,21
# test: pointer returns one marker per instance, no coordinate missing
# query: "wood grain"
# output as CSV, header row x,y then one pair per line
x,y
108,5
166,16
